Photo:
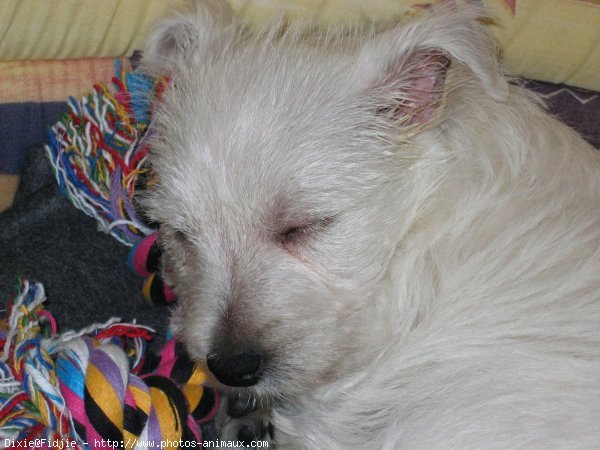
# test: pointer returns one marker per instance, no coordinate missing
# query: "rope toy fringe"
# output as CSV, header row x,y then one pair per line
x,y
94,387
98,155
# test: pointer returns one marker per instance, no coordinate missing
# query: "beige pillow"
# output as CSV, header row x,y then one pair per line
x,y
552,40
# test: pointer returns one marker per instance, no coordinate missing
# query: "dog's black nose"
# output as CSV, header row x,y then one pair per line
x,y
238,370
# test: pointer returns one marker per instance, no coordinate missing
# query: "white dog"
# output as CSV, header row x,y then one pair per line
x,y
376,236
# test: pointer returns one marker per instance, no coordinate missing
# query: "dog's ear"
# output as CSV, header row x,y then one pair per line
x,y
406,66
185,34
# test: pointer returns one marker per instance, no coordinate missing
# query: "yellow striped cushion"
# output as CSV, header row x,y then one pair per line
x,y
551,40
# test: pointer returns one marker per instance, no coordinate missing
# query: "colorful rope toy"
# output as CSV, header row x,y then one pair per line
x,y
94,388
88,387
144,260
99,158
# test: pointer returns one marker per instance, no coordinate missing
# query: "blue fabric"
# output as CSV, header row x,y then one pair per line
x,y
23,125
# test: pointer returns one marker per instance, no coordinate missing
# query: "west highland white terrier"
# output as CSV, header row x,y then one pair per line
x,y
376,237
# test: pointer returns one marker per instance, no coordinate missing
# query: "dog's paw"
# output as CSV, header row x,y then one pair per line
x,y
254,433
241,420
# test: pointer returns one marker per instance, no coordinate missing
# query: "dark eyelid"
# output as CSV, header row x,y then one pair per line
x,y
181,236
306,227
176,234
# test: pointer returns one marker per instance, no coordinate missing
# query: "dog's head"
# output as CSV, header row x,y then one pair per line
x,y
284,182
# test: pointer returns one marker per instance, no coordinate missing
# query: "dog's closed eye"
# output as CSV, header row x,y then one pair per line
x,y
298,234
293,235
175,242
169,234
181,238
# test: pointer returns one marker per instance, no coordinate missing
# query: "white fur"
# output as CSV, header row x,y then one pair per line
x,y
446,293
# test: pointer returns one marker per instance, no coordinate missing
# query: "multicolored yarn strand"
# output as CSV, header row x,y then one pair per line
x,y
98,154
93,389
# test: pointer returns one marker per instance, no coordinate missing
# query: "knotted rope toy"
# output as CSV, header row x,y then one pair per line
x,y
99,158
94,388
91,387
144,260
